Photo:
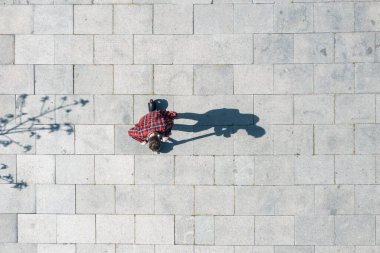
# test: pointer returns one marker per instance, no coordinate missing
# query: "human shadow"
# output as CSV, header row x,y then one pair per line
x,y
225,122
12,125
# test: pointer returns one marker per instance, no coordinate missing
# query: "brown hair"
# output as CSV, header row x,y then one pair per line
x,y
154,143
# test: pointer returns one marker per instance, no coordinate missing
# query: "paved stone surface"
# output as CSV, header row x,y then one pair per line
x,y
281,152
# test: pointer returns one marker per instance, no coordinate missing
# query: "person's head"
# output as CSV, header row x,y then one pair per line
x,y
154,143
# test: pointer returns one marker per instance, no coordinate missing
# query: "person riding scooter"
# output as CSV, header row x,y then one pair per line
x,y
153,127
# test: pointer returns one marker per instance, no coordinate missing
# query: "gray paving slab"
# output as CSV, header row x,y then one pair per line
x,y
275,148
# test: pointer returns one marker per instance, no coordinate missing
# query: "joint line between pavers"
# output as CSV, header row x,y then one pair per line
x,y
174,158
73,78
134,169
75,204
153,80
154,198
375,228
294,230
55,169
354,127
313,18
334,217
93,49
334,156
334,50
313,78
73,18
134,228
193,18
234,187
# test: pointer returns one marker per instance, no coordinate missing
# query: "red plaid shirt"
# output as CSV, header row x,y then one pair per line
x,y
157,121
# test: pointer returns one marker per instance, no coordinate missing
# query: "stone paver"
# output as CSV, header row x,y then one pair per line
x,y
178,80
37,228
282,155
134,199
113,49
53,19
7,49
75,228
53,79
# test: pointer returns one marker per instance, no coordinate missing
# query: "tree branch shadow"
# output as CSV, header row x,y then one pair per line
x,y
13,124
10,179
